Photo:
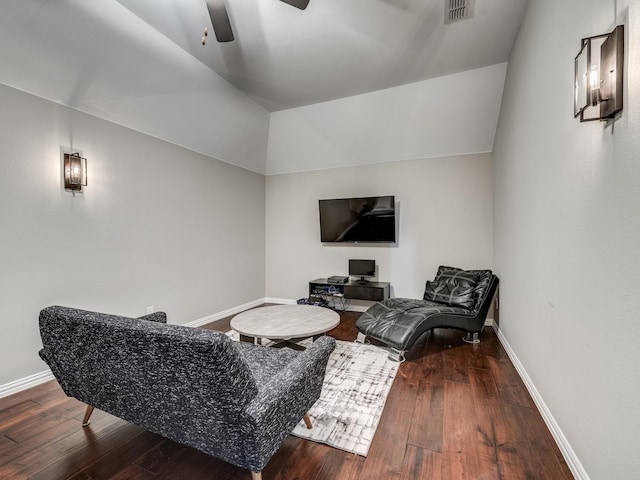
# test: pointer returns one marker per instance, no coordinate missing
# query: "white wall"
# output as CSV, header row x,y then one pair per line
x,y
157,225
451,115
567,232
445,217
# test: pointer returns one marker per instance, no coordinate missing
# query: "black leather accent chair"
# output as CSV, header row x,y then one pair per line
x,y
456,298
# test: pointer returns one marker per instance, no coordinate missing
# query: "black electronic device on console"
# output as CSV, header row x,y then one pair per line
x,y
337,279
362,269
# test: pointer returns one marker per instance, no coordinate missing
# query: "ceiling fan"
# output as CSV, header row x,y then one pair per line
x,y
220,18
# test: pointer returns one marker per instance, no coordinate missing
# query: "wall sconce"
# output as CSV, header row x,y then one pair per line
x,y
599,69
75,171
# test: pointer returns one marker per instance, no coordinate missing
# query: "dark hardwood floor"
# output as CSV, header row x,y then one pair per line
x,y
456,411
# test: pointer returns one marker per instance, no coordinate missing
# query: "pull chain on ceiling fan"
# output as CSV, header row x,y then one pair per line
x,y
220,19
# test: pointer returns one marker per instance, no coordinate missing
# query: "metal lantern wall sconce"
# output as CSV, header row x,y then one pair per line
x,y
599,71
75,171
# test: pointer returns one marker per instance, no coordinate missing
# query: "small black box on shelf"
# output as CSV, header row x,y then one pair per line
x,y
337,279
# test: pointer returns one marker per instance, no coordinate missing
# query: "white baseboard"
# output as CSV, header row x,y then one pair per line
x,y
226,313
25,383
576,467
280,301
358,308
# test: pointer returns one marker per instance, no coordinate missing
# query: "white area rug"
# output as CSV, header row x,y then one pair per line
x,y
354,392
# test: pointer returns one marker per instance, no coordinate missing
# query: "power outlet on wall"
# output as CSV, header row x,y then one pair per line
x,y
149,309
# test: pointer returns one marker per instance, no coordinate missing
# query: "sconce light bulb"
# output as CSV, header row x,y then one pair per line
x,y
594,77
594,84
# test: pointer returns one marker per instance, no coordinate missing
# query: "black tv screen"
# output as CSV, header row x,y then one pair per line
x,y
355,220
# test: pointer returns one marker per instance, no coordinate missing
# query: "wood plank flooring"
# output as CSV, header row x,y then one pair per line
x,y
455,411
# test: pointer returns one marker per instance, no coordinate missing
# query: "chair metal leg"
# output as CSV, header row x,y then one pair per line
x,y
397,355
87,414
471,337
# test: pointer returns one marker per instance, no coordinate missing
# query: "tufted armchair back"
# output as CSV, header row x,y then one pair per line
x,y
467,289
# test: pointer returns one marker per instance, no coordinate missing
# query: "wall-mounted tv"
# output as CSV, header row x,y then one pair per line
x,y
358,220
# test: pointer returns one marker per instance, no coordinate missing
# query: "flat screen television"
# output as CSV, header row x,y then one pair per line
x,y
362,269
358,220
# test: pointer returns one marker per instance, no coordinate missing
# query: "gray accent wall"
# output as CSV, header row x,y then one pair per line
x,y
567,236
158,225
444,208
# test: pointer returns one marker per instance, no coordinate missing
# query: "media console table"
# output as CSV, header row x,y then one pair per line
x,y
373,291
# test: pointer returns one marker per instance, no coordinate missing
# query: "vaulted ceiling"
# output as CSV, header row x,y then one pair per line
x,y
285,57
142,64
282,57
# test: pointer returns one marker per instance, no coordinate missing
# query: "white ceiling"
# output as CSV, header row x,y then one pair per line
x,y
282,57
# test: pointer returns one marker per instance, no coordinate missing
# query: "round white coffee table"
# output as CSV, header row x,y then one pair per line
x,y
288,323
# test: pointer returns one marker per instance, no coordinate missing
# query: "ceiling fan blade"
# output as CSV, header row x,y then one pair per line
x,y
301,4
220,20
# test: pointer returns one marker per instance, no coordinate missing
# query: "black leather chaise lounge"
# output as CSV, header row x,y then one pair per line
x,y
456,298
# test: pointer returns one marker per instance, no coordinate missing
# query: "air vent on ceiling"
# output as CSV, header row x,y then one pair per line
x,y
456,10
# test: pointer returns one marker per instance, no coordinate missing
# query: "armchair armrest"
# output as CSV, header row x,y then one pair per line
x,y
283,401
158,317
305,372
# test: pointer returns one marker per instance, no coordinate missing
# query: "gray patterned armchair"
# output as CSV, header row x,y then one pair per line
x,y
456,298
235,401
